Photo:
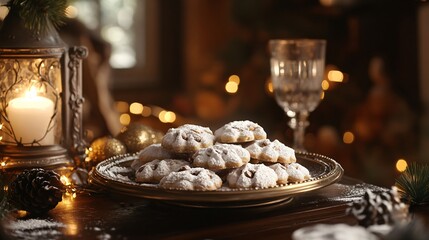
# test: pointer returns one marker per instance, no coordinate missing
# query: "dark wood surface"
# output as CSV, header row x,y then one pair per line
x,y
108,216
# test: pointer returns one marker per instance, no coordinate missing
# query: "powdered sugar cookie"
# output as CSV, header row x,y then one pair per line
x,y
150,153
221,156
252,176
192,179
297,172
154,171
187,138
240,132
281,172
267,151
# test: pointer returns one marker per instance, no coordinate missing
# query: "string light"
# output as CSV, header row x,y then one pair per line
x,y
348,137
136,108
65,180
147,111
234,78
71,12
231,87
335,76
125,119
325,85
269,86
167,116
122,106
401,165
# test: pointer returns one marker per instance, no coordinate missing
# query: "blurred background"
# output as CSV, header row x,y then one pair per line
x,y
165,63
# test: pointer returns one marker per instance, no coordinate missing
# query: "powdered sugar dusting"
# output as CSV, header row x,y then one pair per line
x,y
240,131
221,156
116,172
355,192
252,175
187,138
271,151
192,179
343,193
35,229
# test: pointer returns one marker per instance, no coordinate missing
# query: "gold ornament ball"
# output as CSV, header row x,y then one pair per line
x,y
105,147
137,136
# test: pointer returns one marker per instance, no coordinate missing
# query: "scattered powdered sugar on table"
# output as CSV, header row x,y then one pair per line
x,y
347,193
35,229
353,192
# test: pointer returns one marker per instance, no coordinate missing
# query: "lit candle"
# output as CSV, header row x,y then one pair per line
x,y
29,117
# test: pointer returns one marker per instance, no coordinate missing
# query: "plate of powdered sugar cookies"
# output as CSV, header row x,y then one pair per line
x,y
237,165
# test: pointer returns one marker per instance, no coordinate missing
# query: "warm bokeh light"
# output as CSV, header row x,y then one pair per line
x,y
231,87
401,165
147,111
122,106
125,119
348,137
65,180
71,12
3,164
269,86
325,85
335,76
170,117
136,108
327,3
234,78
113,34
72,229
167,116
322,95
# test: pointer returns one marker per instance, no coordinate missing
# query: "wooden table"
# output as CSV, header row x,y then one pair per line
x,y
107,216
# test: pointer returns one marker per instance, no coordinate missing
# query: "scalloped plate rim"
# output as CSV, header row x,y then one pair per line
x,y
332,175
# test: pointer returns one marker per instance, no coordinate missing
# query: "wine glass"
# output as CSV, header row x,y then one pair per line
x,y
297,68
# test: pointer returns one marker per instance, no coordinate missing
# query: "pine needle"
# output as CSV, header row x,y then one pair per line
x,y
413,183
37,14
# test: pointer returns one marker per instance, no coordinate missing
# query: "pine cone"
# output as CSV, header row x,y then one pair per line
x,y
36,191
378,209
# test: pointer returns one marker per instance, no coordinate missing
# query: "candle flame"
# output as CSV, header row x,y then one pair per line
x,y
31,93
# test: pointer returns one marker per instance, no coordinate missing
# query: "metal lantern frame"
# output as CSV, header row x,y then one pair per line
x,y
18,43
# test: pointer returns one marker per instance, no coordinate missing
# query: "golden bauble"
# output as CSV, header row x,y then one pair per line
x,y
137,136
105,147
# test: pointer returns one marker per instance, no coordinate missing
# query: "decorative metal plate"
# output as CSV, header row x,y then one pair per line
x,y
115,175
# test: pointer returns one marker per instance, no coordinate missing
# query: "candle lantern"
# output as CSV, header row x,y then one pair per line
x,y
40,97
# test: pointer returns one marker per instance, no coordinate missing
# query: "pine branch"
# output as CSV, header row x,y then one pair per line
x,y
413,183
36,13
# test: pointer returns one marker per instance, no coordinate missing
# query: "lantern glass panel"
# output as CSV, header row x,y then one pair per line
x,y
30,102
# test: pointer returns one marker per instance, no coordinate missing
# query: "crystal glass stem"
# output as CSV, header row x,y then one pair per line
x,y
299,123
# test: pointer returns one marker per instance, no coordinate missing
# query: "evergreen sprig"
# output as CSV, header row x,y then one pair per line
x,y
413,183
37,14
